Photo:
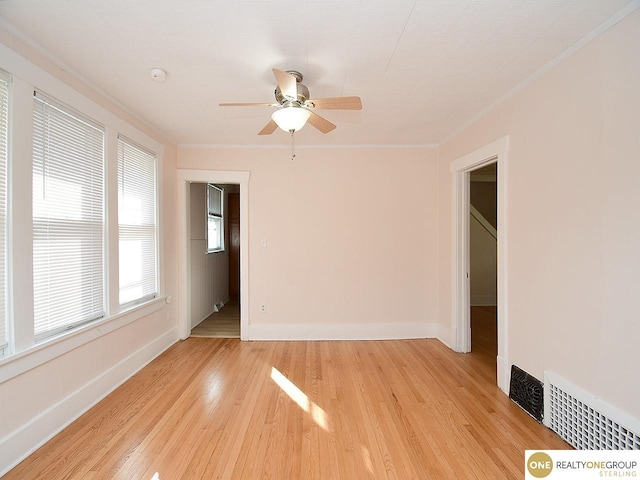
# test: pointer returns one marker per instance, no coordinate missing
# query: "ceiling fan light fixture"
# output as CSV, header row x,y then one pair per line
x,y
296,108
291,119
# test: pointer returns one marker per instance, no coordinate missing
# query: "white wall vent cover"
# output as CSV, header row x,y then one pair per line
x,y
585,421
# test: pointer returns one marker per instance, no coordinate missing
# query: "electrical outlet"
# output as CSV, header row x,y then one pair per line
x,y
263,308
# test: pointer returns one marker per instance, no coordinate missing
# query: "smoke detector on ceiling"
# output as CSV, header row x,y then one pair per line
x,y
158,75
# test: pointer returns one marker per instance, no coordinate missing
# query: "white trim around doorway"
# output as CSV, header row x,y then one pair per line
x,y
494,152
184,275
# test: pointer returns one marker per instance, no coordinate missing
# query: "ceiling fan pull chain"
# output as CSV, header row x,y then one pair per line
x,y
293,145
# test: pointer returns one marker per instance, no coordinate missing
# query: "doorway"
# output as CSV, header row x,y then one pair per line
x,y
214,242
185,178
492,153
483,264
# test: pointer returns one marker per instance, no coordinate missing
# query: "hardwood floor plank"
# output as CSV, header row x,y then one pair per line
x,y
221,408
222,324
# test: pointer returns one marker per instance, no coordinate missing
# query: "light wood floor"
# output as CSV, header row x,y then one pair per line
x,y
484,338
225,409
222,324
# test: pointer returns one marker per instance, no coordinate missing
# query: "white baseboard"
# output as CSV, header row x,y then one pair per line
x,y
447,335
20,443
503,374
483,300
353,331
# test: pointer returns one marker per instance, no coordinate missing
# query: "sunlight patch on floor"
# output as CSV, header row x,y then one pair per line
x,y
317,414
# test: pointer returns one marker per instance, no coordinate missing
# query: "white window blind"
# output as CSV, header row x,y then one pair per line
x,y
137,223
4,131
215,224
68,218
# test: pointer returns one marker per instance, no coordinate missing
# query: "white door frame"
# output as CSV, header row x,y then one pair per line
x,y
185,177
494,152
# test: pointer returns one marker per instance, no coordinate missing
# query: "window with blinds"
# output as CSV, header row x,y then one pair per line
x,y
215,223
68,218
4,157
138,236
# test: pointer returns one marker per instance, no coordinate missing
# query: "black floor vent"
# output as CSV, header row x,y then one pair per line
x,y
527,392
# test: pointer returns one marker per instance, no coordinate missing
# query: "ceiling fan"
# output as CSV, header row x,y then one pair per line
x,y
295,108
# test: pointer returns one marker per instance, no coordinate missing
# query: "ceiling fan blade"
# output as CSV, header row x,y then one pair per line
x,y
335,103
241,104
322,124
287,84
269,128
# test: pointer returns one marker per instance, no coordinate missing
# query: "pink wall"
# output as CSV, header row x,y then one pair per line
x,y
350,233
572,217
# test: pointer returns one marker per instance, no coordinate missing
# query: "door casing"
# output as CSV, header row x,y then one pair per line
x,y
494,152
184,274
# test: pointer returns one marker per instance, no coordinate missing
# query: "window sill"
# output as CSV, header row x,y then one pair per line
x,y
20,362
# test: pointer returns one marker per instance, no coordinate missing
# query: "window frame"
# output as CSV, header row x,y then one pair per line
x,y
215,215
122,139
25,353
98,285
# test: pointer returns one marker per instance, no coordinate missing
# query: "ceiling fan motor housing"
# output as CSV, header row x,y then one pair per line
x,y
302,90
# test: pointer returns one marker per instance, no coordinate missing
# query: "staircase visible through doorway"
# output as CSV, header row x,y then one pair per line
x,y
222,324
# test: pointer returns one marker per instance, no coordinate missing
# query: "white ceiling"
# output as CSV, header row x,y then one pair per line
x,y
423,68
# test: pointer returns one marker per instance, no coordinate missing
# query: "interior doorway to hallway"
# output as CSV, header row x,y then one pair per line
x,y
214,238
461,170
185,283
483,262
